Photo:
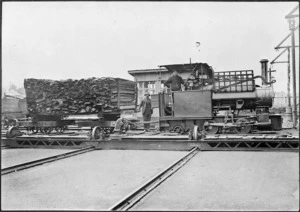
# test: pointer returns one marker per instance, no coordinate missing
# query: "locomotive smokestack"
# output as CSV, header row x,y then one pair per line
x,y
264,70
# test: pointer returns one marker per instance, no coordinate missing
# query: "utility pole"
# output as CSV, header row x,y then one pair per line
x,y
291,115
289,81
292,28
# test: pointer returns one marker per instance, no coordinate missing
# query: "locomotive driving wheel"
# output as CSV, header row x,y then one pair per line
x,y
209,129
178,129
195,133
242,126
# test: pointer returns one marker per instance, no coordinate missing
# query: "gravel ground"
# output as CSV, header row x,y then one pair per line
x,y
231,181
11,157
92,181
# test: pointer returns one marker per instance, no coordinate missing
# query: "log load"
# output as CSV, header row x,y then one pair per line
x,y
88,96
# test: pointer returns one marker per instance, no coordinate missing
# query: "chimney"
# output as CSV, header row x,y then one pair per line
x,y
264,70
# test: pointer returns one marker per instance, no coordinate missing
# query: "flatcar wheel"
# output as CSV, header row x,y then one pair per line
x,y
34,130
209,129
47,130
60,129
178,129
96,133
243,127
12,132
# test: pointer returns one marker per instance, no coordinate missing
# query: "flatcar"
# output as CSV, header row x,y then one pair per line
x,y
99,113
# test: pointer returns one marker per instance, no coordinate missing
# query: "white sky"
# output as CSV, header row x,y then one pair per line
x,y
62,40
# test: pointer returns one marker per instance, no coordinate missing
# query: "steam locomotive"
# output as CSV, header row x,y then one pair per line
x,y
218,101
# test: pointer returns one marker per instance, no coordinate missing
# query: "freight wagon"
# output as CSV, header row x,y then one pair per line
x,y
95,102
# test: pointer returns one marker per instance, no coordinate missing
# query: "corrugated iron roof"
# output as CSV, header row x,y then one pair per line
x,y
142,71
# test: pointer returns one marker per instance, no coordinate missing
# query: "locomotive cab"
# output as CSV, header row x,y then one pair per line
x,y
180,111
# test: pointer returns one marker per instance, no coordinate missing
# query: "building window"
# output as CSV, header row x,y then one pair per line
x,y
146,87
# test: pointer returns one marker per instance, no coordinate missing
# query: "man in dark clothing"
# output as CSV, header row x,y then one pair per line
x,y
147,110
174,82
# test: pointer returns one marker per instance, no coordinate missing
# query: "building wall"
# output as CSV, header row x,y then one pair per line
x,y
153,83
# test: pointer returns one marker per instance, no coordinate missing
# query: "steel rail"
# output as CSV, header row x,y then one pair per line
x,y
131,199
44,160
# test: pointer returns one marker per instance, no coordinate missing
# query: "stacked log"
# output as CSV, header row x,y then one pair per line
x,y
91,95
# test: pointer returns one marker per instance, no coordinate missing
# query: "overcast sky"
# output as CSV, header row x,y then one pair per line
x,y
62,40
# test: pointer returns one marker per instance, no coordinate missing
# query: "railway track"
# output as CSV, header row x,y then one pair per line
x,y
42,161
131,199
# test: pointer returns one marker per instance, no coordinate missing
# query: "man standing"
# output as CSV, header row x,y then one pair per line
x,y
174,82
147,110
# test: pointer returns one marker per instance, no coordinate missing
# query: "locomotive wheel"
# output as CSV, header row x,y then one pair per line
x,y
96,133
178,129
195,133
210,129
12,132
244,129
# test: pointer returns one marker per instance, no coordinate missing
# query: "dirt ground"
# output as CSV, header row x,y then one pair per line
x,y
223,181
90,181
